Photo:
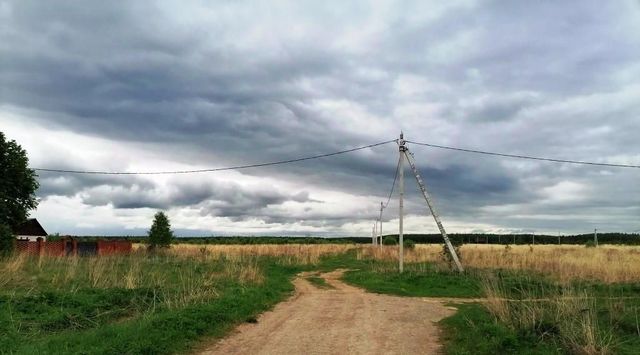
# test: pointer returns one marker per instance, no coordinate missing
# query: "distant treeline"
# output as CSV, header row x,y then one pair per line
x,y
603,238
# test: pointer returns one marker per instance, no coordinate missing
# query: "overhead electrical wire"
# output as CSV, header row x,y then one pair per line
x,y
526,156
238,167
395,177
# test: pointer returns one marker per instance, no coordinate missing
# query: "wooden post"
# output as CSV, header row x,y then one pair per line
x,y
401,221
40,242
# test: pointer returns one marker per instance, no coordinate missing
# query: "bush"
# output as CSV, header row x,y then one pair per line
x,y
409,244
446,256
7,240
590,244
389,240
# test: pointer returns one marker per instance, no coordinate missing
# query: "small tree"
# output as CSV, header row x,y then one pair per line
x,y
7,241
160,234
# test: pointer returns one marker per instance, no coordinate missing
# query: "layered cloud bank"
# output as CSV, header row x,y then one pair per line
x,y
135,87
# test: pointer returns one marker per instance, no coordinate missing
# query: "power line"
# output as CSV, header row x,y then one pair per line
x,y
238,167
526,156
395,177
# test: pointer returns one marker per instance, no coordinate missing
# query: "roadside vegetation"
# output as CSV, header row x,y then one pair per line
x,y
534,299
156,303
519,300
318,281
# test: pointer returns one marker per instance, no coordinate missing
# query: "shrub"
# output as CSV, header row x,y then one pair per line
x,y
389,240
7,240
446,256
590,244
409,244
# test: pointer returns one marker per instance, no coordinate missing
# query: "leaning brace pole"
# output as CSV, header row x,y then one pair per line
x,y
427,198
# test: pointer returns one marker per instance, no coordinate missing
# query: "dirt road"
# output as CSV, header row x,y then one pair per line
x,y
340,320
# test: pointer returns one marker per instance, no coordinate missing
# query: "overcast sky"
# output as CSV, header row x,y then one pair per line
x,y
131,86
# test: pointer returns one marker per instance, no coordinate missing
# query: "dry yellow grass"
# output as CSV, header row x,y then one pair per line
x,y
608,264
288,254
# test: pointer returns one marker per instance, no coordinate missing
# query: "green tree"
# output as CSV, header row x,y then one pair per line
x,y
7,240
18,184
160,234
18,187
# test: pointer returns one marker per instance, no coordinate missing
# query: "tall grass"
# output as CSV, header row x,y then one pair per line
x,y
287,254
567,315
608,264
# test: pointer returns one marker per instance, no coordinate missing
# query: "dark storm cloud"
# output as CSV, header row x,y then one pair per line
x,y
216,198
227,87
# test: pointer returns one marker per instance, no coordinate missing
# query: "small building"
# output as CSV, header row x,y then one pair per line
x,y
30,230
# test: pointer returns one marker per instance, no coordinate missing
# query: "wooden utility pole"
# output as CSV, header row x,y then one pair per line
x,y
373,236
402,149
375,233
381,208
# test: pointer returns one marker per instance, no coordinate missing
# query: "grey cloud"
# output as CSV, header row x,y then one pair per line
x,y
221,199
516,76
54,184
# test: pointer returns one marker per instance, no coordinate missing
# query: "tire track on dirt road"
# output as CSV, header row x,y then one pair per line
x,y
340,320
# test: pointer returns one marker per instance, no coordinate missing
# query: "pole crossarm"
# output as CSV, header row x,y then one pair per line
x,y
434,213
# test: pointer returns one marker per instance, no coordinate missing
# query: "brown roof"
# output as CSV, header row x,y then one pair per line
x,y
30,227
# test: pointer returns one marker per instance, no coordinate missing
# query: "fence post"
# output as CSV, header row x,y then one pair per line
x,y
40,242
74,244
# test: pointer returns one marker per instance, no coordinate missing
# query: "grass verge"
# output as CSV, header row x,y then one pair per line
x,y
318,282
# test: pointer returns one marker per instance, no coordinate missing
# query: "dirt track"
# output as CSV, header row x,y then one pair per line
x,y
342,320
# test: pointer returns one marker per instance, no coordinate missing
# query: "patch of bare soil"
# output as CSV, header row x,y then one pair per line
x,y
340,320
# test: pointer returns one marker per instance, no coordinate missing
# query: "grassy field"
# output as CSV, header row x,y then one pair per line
x,y
142,303
540,299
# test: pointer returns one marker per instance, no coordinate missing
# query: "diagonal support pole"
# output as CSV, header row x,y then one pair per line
x,y
427,198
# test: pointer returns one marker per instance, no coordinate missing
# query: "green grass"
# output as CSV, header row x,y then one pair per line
x,y
418,284
170,331
175,303
473,330
64,306
318,281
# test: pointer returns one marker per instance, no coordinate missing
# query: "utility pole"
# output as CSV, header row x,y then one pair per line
x,y
432,208
373,239
595,236
381,207
375,233
402,149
